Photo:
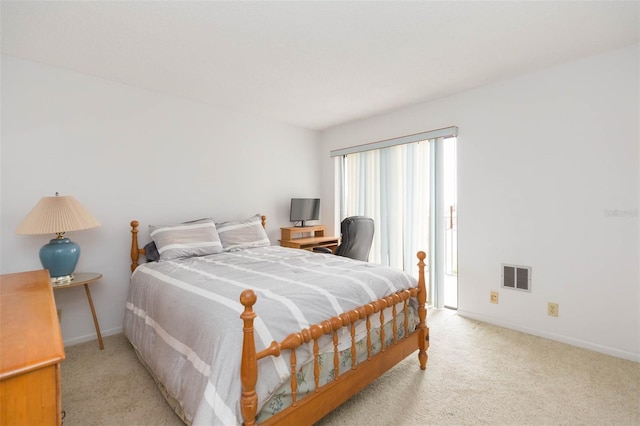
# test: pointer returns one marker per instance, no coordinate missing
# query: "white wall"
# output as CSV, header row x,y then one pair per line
x,y
126,154
548,177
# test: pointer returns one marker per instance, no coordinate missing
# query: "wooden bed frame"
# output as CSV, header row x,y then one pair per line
x,y
328,397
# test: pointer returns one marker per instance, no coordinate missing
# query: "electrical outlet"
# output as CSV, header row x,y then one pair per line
x,y
493,297
552,309
59,315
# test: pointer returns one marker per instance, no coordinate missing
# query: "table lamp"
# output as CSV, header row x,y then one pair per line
x,y
57,215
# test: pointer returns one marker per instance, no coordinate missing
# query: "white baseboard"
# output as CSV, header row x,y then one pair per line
x,y
553,336
92,336
471,315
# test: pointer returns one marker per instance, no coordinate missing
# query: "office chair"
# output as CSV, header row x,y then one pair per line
x,y
357,236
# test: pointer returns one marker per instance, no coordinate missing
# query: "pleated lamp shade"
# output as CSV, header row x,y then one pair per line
x,y
57,215
53,215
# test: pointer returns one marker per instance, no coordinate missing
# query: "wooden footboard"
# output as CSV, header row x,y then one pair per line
x,y
326,398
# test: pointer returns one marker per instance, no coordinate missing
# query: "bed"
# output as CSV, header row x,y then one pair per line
x,y
336,323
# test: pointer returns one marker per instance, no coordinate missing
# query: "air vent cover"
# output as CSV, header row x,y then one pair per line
x,y
516,277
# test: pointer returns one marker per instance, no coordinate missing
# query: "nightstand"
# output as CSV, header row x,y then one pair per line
x,y
84,279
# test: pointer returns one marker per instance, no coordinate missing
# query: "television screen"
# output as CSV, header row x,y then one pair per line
x,y
303,209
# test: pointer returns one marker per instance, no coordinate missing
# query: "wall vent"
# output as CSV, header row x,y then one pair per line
x,y
516,277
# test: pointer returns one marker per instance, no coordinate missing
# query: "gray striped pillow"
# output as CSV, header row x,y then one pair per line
x,y
197,238
242,234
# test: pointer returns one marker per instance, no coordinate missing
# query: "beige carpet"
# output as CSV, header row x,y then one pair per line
x,y
476,374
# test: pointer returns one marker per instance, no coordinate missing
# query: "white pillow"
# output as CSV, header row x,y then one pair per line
x,y
242,234
197,238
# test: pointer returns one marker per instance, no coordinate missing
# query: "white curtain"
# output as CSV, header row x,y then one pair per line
x,y
392,186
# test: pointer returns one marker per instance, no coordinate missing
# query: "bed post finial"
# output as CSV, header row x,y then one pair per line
x,y
135,251
264,221
423,329
249,366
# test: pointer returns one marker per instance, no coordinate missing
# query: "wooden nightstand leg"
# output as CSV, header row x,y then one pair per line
x,y
95,318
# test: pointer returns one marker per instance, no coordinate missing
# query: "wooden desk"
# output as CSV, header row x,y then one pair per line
x,y
31,351
84,279
307,237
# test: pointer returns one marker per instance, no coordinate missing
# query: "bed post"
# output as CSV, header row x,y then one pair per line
x,y
264,221
423,330
249,366
135,251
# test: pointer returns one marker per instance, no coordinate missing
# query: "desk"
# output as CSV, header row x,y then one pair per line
x,y
84,279
295,237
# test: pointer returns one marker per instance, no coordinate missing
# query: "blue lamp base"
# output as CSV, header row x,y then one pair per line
x,y
60,256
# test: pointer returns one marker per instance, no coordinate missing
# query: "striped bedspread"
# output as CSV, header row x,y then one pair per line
x,y
182,317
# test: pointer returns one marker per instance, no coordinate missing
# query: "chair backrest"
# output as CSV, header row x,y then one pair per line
x,y
357,236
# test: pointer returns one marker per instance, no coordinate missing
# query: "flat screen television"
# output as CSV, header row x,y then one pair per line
x,y
303,209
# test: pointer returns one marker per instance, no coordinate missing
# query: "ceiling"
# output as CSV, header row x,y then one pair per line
x,y
313,64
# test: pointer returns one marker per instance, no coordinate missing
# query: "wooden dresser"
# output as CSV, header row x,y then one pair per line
x,y
31,351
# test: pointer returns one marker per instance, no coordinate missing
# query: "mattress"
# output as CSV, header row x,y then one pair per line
x,y
182,317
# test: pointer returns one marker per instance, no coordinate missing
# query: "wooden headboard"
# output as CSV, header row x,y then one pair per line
x,y
136,251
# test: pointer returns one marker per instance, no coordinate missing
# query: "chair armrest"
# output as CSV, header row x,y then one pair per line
x,y
322,250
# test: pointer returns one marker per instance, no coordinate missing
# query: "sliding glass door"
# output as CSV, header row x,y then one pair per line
x,y
443,244
449,208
